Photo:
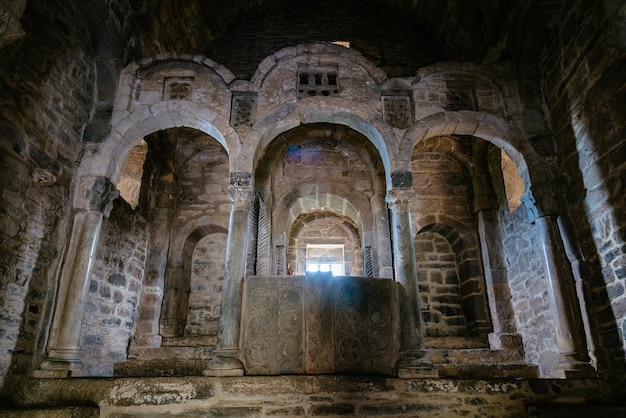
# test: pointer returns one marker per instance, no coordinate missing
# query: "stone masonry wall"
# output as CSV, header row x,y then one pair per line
x,y
525,269
205,290
46,85
585,85
442,312
114,286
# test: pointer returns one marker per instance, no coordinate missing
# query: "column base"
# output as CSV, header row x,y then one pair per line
x,y
505,341
55,368
413,364
567,366
225,362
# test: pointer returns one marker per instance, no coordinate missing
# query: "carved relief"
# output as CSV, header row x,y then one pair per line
x,y
320,324
402,179
398,111
243,110
102,195
178,88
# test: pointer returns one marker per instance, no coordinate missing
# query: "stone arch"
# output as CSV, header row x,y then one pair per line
x,y
472,291
176,290
133,119
288,116
486,126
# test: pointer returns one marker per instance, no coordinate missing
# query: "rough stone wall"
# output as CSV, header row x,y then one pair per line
x,y
442,312
525,270
267,30
205,289
114,286
585,84
201,207
46,83
441,189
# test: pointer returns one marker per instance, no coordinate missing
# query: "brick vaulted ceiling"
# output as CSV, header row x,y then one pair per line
x,y
397,35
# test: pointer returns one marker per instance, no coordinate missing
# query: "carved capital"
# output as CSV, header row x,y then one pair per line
x,y
241,197
240,190
102,195
398,199
542,199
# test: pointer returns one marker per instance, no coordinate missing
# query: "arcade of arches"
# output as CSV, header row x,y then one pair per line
x,y
367,208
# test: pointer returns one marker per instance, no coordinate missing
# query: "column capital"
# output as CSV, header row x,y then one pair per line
x,y
95,194
541,200
240,189
399,198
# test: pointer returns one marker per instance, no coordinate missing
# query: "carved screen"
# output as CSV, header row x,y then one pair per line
x,y
320,324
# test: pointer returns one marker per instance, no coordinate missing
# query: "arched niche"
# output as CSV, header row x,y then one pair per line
x,y
452,290
319,167
327,239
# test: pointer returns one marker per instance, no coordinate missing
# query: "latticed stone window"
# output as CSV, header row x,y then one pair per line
x,y
317,81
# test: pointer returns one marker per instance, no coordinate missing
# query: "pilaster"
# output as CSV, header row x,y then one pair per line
x,y
63,350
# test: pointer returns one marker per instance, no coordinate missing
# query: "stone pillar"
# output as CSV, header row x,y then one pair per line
x,y
226,361
572,359
281,260
63,351
412,362
384,266
504,335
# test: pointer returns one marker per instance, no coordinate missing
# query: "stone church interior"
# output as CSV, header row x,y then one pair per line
x,y
280,208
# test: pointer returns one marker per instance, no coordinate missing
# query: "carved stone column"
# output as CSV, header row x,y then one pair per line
x,y
226,361
412,363
572,358
63,351
264,231
384,265
504,333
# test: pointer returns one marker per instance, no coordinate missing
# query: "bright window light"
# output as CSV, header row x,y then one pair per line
x,y
325,258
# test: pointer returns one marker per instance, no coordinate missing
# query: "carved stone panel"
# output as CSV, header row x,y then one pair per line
x,y
273,326
243,110
398,111
320,324
177,88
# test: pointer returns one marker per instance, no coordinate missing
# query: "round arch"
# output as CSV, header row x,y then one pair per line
x,y
486,126
307,111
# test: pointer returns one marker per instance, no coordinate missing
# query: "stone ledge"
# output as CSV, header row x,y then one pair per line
x,y
303,395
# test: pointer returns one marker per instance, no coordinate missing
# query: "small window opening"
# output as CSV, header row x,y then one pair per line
x,y
513,182
325,258
129,183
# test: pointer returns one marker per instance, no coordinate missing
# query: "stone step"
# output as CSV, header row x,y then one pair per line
x,y
481,356
172,352
488,371
160,368
60,412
